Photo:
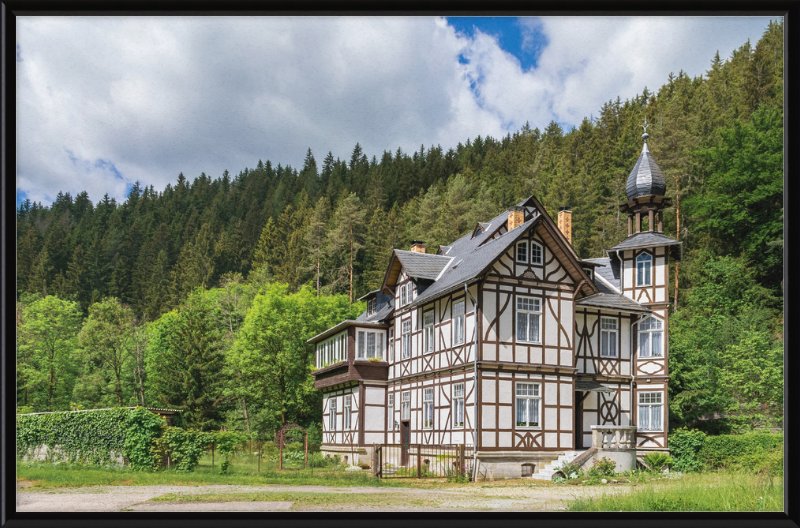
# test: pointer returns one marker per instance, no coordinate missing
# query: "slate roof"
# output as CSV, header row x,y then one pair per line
x,y
470,258
612,301
422,265
645,239
646,177
608,270
385,308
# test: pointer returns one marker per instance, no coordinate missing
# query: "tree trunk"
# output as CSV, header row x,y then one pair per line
x,y
246,420
351,264
119,385
318,275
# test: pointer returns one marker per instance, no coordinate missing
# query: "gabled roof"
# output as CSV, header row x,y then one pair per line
x,y
417,266
646,177
605,271
645,239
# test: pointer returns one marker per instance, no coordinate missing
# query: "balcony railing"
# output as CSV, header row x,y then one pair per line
x,y
617,437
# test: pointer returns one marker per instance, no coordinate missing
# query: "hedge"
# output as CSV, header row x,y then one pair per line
x,y
738,451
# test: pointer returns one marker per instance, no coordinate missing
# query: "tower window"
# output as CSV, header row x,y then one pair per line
x,y
644,265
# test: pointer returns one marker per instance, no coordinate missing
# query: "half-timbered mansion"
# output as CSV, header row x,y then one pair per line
x,y
508,320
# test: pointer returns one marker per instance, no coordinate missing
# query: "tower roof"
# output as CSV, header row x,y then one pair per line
x,y
646,176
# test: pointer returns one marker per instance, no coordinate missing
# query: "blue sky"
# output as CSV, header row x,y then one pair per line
x,y
105,101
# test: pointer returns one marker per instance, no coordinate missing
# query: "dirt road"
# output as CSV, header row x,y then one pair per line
x,y
488,497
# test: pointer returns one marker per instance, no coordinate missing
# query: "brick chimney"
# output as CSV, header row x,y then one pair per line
x,y
516,217
417,246
565,222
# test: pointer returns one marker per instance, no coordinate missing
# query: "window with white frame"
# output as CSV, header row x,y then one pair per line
x,y
458,405
406,345
332,417
428,331
331,350
529,313
458,323
390,413
369,344
372,306
651,409
391,344
427,408
347,403
644,265
537,253
651,337
403,295
405,405
528,404
608,337
522,252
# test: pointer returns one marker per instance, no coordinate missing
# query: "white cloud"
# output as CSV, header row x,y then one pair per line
x,y
156,96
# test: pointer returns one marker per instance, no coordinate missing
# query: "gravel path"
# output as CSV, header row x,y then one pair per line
x,y
137,498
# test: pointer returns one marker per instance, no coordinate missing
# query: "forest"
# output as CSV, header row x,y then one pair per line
x,y
200,296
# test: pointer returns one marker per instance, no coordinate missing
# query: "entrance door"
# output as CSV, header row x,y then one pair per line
x,y
405,440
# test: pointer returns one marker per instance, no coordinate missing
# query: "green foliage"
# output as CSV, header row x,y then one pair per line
x,y
602,468
226,443
142,429
659,461
185,447
685,446
79,437
732,451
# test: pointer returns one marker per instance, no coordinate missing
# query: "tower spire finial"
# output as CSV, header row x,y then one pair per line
x,y
645,135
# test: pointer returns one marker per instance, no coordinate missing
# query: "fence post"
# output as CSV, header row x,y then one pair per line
x,y
419,461
212,454
462,463
305,460
260,454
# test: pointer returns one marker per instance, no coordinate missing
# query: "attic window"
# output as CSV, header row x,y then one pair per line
x,y
372,306
589,273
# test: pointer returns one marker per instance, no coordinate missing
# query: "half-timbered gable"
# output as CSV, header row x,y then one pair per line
x,y
508,341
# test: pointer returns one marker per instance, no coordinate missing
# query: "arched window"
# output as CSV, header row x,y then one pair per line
x,y
537,253
651,337
644,265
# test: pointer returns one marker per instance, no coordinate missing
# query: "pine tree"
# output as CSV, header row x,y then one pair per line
x,y
345,239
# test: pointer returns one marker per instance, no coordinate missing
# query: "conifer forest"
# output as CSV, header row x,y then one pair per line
x,y
201,295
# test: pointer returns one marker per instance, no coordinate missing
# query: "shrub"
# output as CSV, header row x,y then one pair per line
x,y
185,447
685,445
226,444
658,461
569,471
602,468
738,451
141,430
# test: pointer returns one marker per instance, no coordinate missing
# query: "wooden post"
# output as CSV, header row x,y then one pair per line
x,y
260,454
280,455
419,461
462,459
305,461
638,221
651,219
212,454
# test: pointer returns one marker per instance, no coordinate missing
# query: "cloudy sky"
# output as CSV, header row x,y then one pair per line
x,y
103,102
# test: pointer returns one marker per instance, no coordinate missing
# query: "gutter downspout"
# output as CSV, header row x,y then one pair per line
x,y
621,274
475,389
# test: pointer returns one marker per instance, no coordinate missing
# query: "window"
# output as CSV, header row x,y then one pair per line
x,y
391,344
536,253
370,344
390,418
361,345
406,339
529,312
428,319
403,295
528,400
458,323
332,417
650,411
608,337
588,272
651,334
527,470
458,405
644,263
372,306
522,252
427,409
331,351
346,416
405,405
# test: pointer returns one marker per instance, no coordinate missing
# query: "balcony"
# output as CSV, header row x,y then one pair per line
x,y
346,372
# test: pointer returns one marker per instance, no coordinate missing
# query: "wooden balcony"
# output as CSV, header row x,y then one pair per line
x,y
346,372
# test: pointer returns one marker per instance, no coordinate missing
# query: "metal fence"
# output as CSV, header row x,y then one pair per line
x,y
423,461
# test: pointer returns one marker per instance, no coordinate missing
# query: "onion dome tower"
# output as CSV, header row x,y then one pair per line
x,y
645,192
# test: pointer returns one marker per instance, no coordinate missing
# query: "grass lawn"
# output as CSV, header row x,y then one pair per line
x,y
243,471
303,500
713,491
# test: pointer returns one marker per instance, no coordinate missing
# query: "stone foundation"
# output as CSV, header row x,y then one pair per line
x,y
55,454
358,454
501,465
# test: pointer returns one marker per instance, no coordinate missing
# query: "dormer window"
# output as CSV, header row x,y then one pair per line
x,y
644,264
372,305
589,273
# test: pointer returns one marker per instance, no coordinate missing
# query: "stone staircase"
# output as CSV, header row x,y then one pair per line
x,y
546,470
